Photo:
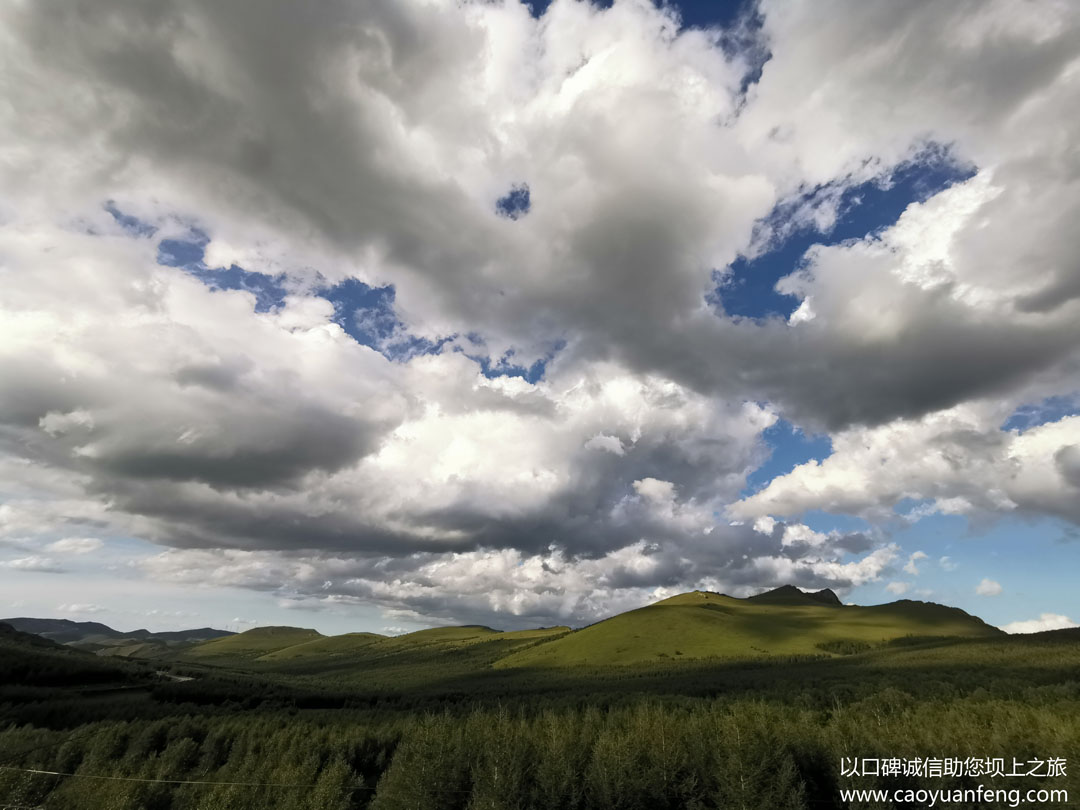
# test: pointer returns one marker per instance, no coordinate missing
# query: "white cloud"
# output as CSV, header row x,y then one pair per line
x,y
988,587
33,562
898,588
800,534
947,563
301,604
510,588
81,608
75,545
150,405
1046,621
910,567
764,524
170,614
611,444
957,457
651,489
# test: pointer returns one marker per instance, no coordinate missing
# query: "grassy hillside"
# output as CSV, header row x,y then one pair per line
x,y
705,625
327,647
368,649
414,659
690,626
251,644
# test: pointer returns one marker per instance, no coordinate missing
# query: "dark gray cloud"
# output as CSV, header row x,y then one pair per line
x,y
248,448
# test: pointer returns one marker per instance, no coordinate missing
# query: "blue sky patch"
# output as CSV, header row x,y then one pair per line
x,y
977,553
506,366
351,298
1050,409
268,290
825,522
515,204
790,448
907,505
748,291
184,253
367,315
694,13
188,254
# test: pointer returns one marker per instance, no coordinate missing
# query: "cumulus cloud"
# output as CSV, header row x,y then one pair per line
x,y
898,588
910,567
537,101
988,587
512,588
958,460
263,446
1046,621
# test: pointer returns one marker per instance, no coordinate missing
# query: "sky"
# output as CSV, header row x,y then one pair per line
x,y
389,315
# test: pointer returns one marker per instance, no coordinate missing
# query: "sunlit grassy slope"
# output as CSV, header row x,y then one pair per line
x,y
252,643
690,626
371,646
705,625
325,647
413,658
138,649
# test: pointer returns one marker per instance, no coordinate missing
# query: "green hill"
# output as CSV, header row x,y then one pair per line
x,y
443,635
781,622
697,625
369,645
414,659
251,643
326,647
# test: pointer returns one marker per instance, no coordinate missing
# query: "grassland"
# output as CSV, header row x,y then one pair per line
x,y
323,648
708,625
688,627
250,645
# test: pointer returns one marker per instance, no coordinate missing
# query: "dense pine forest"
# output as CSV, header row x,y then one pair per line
x,y
122,734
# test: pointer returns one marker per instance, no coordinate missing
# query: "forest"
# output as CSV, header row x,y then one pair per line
x,y
122,735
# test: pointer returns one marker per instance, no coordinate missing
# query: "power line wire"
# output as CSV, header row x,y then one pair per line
x,y
166,781
198,781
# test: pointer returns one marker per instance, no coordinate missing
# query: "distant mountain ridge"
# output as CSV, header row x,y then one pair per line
x,y
67,631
